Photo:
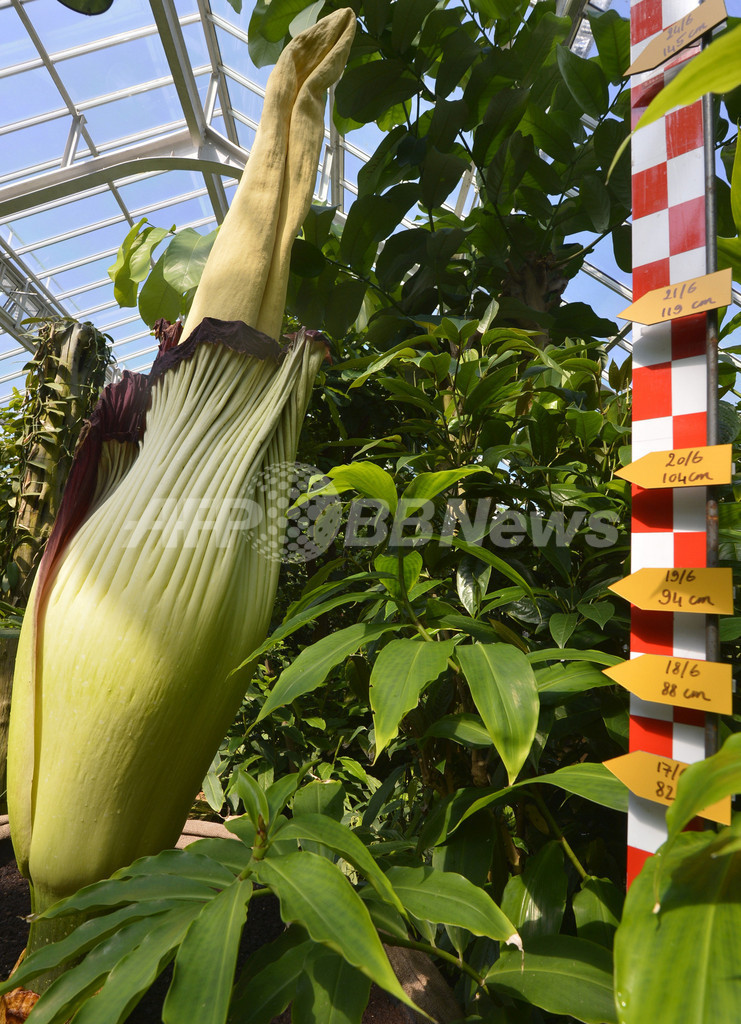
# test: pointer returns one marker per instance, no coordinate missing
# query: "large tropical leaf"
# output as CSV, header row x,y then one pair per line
x,y
563,975
535,900
314,893
679,961
503,688
444,897
400,673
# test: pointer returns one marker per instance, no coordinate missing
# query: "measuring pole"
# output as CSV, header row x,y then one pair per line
x,y
670,400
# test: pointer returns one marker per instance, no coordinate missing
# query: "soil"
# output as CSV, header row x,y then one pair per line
x,y
263,925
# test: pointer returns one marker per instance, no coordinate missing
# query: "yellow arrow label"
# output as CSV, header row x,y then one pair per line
x,y
682,682
655,778
696,295
682,467
708,591
680,34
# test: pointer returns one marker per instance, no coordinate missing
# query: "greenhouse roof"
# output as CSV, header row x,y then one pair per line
x,y
146,111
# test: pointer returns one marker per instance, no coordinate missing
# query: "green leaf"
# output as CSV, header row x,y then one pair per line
x,y
409,566
703,784
366,478
444,897
463,728
559,682
324,797
503,688
547,133
367,91
597,611
322,829
585,80
407,20
190,863
185,257
561,626
111,893
593,782
87,6
371,219
268,982
562,975
441,172
736,189
427,486
280,14
535,900
158,298
204,967
680,962
330,991
82,939
317,895
717,69
400,673
314,663
612,35
253,797
77,983
493,560
597,909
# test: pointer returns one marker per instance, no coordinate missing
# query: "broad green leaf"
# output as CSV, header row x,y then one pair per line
x,y
547,133
320,797
137,970
253,797
534,901
704,783
680,962
372,218
572,654
597,909
559,682
329,991
585,424
561,626
562,975
612,35
597,611
314,664
426,486
717,69
502,685
185,258
406,566
158,298
316,895
280,14
83,938
268,982
400,673
366,478
366,91
736,189
322,829
493,560
464,728
235,856
585,80
593,782
189,863
444,897
204,967
68,991
111,893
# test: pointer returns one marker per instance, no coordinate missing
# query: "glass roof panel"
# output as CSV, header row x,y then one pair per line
x,y
29,93
145,112
61,28
15,45
28,148
114,69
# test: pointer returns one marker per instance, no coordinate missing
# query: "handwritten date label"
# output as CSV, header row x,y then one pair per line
x,y
681,682
677,36
705,591
655,778
682,467
686,298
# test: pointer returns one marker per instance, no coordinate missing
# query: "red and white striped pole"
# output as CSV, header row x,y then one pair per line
x,y
669,398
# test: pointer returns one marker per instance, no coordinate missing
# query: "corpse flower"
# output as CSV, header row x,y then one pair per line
x,y
124,684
